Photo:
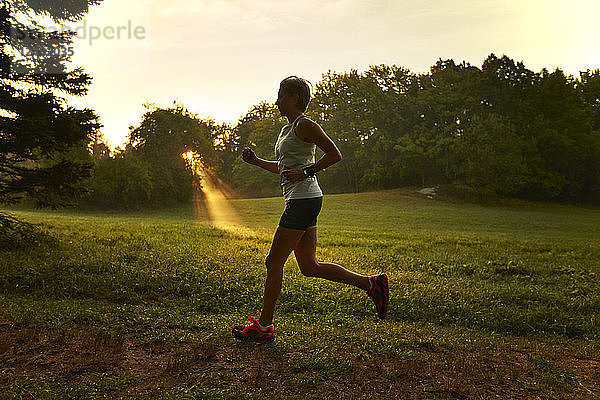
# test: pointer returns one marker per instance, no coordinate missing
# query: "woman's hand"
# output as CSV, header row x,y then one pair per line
x,y
292,174
249,156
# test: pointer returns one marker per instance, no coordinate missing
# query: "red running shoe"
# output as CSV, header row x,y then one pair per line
x,y
253,332
379,293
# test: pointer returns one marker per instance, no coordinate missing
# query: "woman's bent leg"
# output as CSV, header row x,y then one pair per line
x,y
284,241
305,252
337,273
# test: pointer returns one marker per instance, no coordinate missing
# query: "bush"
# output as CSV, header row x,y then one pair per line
x,y
122,182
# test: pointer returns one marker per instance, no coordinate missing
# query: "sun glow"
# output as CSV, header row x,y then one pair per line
x,y
211,193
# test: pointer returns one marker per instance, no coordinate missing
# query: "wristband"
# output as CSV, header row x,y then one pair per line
x,y
309,172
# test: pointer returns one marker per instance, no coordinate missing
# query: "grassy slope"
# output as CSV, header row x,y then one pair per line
x,y
484,301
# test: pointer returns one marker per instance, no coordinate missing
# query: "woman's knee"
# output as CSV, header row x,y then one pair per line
x,y
268,262
271,262
309,269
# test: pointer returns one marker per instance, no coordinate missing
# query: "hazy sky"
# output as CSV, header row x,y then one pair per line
x,y
219,57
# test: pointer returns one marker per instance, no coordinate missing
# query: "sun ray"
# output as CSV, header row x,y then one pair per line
x,y
212,198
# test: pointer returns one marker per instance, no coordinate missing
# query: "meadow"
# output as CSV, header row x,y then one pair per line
x,y
485,302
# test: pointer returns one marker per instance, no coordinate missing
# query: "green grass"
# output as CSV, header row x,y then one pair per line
x,y
469,285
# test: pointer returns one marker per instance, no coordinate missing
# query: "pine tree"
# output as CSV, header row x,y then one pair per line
x,y
38,129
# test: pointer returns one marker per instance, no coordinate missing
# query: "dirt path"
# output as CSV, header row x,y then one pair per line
x,y
511,371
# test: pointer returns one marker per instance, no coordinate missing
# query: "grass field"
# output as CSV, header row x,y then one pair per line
x,y
485,302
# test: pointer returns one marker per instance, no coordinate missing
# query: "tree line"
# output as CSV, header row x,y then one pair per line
x,y
499,130
495,130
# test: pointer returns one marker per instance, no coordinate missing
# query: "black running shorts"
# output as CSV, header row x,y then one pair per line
x,y
301,213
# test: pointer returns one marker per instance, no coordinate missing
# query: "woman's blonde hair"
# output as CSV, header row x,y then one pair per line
x,y
295,85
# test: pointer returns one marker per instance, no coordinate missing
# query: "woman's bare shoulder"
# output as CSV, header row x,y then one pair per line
x,y
309,131
307,122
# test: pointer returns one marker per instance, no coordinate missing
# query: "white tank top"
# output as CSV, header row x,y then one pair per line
x,y
293,152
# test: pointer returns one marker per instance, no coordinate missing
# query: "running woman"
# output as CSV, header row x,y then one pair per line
x,y
297,230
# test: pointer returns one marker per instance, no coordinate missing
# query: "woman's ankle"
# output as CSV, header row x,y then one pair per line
x,y
264,326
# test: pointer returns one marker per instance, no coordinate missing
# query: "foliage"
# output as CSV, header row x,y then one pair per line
x,y
258,129
501,130
151,171
40,136
121,182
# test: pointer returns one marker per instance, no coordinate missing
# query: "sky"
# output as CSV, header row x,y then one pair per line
x,y
220,57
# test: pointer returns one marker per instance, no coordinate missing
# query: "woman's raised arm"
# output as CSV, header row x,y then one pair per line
x,y
251,158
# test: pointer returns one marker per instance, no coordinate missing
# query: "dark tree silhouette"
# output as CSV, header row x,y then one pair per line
x,y
37,128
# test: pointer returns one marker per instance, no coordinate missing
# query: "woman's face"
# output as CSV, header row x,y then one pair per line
x,y
285,102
